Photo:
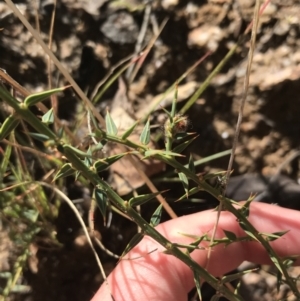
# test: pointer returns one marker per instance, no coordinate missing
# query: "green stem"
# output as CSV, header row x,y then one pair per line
x,y
227,203
78,164
26,114
170,248
147,229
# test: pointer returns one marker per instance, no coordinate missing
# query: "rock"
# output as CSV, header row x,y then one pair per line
x,y
207,36
120,28
282,27
167,4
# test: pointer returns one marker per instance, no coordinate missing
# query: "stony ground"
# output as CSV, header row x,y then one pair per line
x,y
91,37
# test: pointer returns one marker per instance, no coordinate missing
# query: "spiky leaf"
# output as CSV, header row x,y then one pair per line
x,y
153,152
31,215
180,137
133,242
245,210
156,216
274,236
142,199
65,171
38,97
181,147
197,284
191,164
185,182
235,276
145,135
98,147
103,164
9,124
39,137
48,118
250,234
99,134
88,162
78,152
289,261
111,127
128,132
60,132
230,235
101,200
190,192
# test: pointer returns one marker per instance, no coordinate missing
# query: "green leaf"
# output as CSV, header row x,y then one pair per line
x,y
7,97
156,216
288,262
128,132
191,164
99,134
111,128
9,124
197,284
103,164
48,118
230,235
88,162
65,171
214,175
142,199
77,162
30,214
133,242
77,151
180,137
145,135
185,182
250,234
190,192
181,147
93,119
98,147
38,97
273,236
195,245
245,210
39,137
101,200
153,152
233,277
60,132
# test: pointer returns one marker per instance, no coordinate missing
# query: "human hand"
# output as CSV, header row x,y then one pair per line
x,y
157,276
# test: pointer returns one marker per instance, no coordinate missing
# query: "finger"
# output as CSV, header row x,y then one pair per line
x,y
156,276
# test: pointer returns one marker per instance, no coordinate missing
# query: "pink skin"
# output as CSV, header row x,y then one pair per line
x,y
160,277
